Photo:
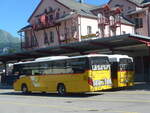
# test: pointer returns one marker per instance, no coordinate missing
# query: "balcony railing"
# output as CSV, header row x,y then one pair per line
x,y
103,21
45,25
45,21
25,45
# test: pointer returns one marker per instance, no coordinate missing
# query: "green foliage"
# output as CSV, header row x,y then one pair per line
x,y
8,43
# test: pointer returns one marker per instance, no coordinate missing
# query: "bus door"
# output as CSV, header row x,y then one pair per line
x,y
123,75
127,71
130,72
114,74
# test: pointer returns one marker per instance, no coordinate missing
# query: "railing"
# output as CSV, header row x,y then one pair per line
x,y
25,45
44,25
115,23
45,21
88,36
103,21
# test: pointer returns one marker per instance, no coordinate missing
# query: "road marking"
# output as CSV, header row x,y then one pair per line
x,y
42,105
104,99
64,107
107,99
121,100
128,93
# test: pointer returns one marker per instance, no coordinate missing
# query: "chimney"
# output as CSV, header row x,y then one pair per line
x,y
81,1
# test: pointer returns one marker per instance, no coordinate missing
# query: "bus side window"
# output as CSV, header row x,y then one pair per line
x,y
68,67
59,67
16,70
25,70
77,65
45,68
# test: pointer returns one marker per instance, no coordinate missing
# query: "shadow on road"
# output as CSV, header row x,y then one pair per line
x,y
70,95
143,86
140,86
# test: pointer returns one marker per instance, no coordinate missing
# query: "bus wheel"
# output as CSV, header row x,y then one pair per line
x,y
24,88
61,90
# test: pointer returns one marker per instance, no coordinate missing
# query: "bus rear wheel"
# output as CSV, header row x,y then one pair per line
x,y
61,90
24,88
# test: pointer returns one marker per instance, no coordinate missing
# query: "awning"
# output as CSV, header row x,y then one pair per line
x,y
123,43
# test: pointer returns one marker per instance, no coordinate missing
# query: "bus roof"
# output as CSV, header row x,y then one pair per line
x,y
55,58
116,57
51,58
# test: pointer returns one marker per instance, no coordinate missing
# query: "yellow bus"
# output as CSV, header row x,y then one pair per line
x,y
79,74
122,70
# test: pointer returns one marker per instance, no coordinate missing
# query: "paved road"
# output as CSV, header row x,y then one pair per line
x,y
124,101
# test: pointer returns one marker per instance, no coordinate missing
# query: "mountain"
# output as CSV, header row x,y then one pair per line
x,y
8,43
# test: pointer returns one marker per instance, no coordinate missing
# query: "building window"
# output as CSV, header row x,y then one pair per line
x,y
45,11
27,41
119,5
67,30
124,32
50,9
64,14
51,36
39,20
57,15
51,17
45,38
33,40
129,8
138,22
73,29
89,30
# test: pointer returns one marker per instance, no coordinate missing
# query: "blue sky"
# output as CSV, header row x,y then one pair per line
x,y
15,13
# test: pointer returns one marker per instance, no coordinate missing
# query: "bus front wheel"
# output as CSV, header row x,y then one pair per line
x,y
61,90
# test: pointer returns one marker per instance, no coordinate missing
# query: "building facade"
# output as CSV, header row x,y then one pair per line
x,y
137,11
56,22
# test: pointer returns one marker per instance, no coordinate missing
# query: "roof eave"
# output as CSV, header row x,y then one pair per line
x,y
35,10
24,28
40,5
138,5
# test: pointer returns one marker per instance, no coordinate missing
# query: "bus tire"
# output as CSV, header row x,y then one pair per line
x,y
61,89
24,89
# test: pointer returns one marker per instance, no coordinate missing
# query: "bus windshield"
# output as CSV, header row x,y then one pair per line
x,y
16,70
99,63
125,61
126,64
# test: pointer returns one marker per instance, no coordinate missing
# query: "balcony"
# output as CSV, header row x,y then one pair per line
x,y
115,23
89,37
44,22
27,46
103,21
44,25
